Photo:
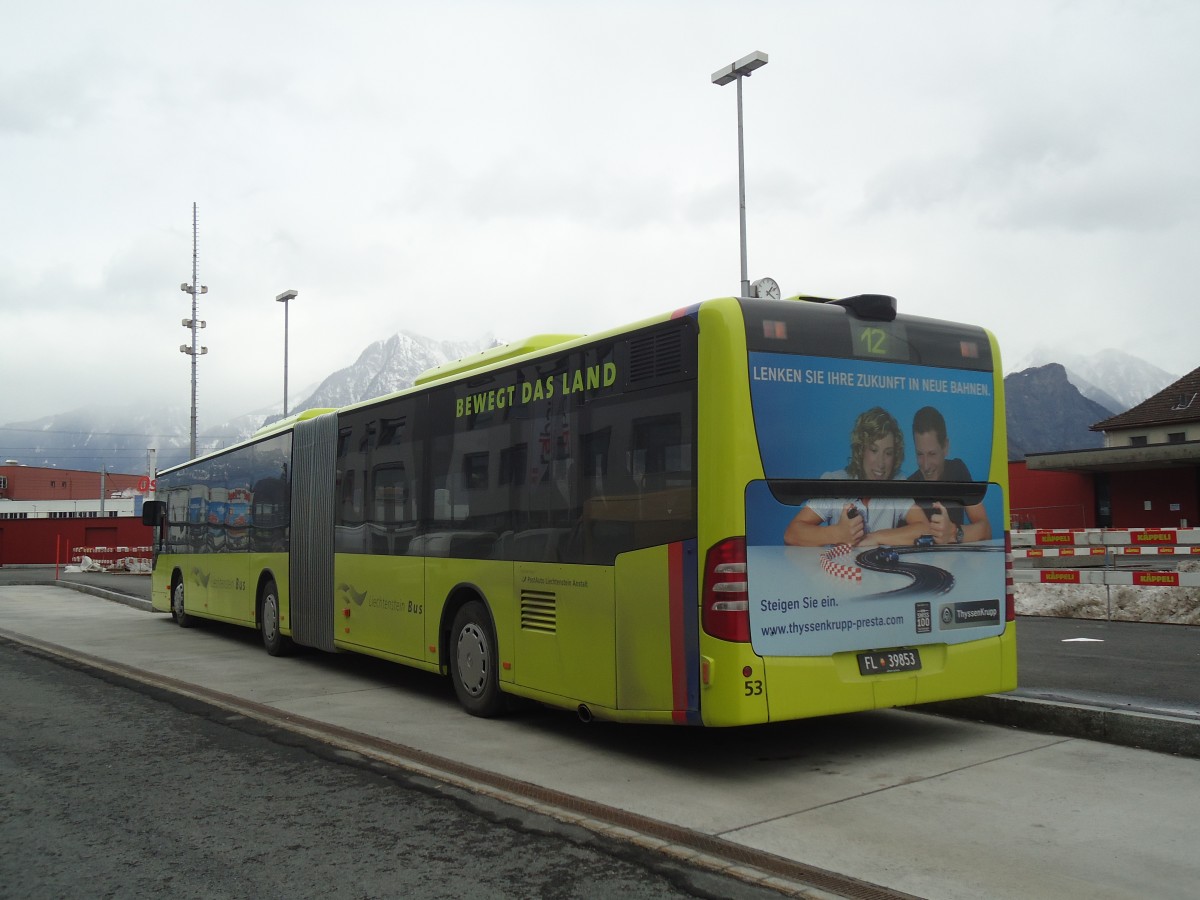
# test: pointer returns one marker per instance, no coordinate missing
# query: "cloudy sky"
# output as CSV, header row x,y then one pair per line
x,y
458,169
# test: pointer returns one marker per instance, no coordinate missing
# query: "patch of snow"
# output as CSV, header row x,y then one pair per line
x,y
1123,603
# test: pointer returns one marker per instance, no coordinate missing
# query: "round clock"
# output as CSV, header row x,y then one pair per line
x,y
765,289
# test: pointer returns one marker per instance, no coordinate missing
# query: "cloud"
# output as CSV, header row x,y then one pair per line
x,y
1033,174
517,167
51,100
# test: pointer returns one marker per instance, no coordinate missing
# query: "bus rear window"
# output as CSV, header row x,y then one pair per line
x,y
817,329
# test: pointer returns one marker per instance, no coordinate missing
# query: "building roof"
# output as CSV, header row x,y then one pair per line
x,y
1116,459
1176,404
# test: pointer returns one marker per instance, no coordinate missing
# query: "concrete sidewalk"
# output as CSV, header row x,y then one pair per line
x,y
936,807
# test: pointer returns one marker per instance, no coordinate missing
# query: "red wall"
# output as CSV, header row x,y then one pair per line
x,y
1129,492
34,541
1041,499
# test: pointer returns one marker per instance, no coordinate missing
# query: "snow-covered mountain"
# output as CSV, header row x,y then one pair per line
x,y
117,437
1045,411
1116,380
387,366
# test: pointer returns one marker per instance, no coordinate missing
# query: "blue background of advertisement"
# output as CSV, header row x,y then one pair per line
x,y
804,428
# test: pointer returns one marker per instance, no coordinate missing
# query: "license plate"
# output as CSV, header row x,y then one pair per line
x,y
880,663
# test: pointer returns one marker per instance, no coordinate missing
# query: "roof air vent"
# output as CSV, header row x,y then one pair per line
x,y
877,307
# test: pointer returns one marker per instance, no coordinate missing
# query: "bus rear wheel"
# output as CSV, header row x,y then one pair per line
x,y
273,639
473,662
182,619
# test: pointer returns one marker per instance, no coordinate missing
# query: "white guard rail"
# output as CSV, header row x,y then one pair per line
x,y
1109,543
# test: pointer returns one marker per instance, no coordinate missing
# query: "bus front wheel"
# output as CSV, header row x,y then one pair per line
x,y
182,619
473,662
268,622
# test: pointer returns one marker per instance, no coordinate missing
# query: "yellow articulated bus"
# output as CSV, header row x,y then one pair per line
x,y
745,511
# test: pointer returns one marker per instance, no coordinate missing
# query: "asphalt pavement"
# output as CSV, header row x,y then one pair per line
x,y
877,804
237,794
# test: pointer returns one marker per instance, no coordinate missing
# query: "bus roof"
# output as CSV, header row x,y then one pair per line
x,y
503,352
290,421
529,347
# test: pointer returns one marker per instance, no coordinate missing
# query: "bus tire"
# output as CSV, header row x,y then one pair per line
x,y
182,619
273,639
474,662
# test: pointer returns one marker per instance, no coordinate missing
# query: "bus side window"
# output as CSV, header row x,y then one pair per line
x,y
349,513
393,510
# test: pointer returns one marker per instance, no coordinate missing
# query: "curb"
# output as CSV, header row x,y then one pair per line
x,y
114,596
1124,727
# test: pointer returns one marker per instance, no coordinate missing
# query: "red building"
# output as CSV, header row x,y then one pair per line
x,y
46,514
1045,499
1147,474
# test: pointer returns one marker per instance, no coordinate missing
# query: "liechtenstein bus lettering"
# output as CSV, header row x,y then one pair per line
x,y
740,512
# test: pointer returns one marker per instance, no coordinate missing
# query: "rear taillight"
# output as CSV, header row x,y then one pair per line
x,y
726,606
1010,590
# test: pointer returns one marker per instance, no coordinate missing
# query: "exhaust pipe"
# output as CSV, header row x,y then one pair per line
x,y
585,714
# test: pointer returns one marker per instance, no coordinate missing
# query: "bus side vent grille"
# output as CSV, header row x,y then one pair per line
x,y
656,355
539,611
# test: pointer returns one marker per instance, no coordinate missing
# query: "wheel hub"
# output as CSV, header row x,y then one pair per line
x,y
472,660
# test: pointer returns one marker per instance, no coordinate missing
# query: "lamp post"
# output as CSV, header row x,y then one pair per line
x,y
735,72
284,298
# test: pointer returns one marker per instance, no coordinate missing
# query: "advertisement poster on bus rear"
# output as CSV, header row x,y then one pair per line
x,y
852,544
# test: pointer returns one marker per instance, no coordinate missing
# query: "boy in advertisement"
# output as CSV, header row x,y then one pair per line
x,y
876,454
957,524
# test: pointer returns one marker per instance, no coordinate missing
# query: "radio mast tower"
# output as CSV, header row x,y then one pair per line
x,y
195,324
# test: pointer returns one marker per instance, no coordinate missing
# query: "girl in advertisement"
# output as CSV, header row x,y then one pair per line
x,y
876,454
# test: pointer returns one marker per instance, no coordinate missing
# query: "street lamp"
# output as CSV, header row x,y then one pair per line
x,y
735,72
284,298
